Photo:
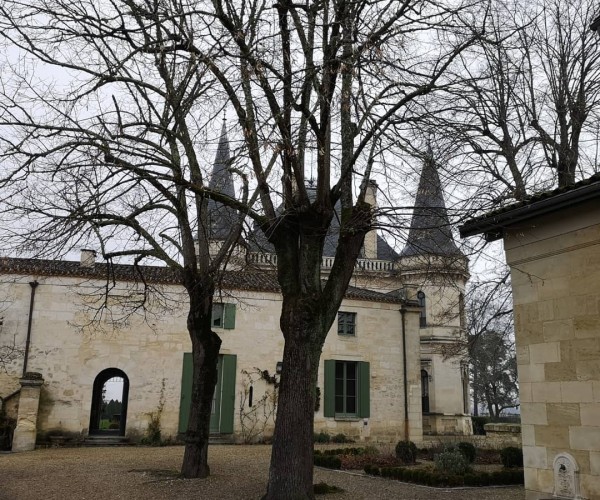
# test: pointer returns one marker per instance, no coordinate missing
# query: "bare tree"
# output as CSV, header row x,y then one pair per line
x,y
563,59
320,89
102,134
326,89
521,115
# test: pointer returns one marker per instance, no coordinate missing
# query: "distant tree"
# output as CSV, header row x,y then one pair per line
x,y
491,348
523,113
494,372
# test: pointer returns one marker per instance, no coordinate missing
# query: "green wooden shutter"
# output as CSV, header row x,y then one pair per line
x,y
228,393
329,389
229,316
364,382
186,391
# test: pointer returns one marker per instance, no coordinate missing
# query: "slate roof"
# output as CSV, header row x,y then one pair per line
x,y
221,217
430,231
493,223
232,280
259,243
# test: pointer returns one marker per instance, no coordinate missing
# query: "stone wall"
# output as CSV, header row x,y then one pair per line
x,y
70,352
555,266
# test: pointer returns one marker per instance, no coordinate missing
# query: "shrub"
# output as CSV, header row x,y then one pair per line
x,y
446,479
452,462
398,473
468,450
371,451
325,489
511,457
454,481
426,477
322,437
485,479
345,451
327,461
341,438
507,477
471,479
406,451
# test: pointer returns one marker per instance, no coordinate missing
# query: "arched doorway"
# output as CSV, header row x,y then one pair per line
x,y
109,403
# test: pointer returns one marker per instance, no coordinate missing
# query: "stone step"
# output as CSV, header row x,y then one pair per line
x,y
221,439
106,441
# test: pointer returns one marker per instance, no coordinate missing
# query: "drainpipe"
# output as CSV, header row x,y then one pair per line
x,y
33,285
403,314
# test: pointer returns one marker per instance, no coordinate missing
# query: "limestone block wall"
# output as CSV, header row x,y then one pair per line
x,y
378,341
555,265
70,350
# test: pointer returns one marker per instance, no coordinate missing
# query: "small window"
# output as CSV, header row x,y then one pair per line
x,y
423,315
223,316
346,323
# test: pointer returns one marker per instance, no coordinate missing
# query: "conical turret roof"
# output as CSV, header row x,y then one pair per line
x,y
430,232
221,217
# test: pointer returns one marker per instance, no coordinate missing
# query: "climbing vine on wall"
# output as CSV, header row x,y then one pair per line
x,y
257,413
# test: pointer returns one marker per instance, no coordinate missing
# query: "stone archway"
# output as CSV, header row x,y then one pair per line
x,y
113,423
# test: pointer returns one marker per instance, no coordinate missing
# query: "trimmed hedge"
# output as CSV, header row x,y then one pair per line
x,y
328,461
512,456
433,478
343,451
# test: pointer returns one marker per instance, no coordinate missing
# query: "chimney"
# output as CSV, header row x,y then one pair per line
x,y
88,257
370,244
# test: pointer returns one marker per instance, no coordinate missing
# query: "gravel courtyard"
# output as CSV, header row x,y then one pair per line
x,y
238,472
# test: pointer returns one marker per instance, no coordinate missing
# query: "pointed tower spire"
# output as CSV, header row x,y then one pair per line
x,y
220,216
430,232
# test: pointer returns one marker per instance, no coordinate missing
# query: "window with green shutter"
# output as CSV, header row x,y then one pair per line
x,y
223,316
346,389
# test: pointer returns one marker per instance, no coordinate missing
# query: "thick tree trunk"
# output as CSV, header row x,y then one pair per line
x,y
291,470
308,311
205,355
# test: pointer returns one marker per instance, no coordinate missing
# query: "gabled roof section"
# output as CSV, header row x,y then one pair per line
x,y
430,232
232,280
493,224
221,217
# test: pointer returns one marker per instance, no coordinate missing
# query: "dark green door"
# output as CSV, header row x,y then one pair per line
x,y
221,420
215,413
